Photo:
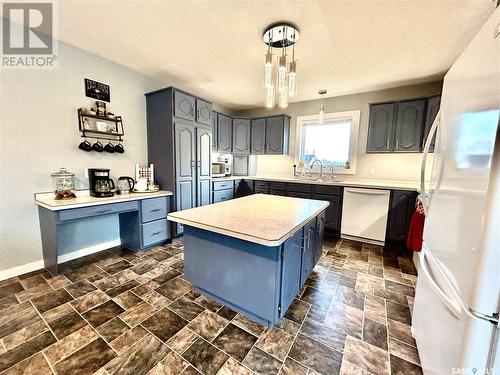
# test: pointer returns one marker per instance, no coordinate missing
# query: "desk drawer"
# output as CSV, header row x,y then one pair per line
x,y
154,209
223,195
221,185
154,232
104,209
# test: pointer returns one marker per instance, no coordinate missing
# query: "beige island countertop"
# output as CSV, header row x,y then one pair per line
x,y
84,199
268,220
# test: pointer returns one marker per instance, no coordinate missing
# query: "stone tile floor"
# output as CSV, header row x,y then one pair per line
x,y
118,312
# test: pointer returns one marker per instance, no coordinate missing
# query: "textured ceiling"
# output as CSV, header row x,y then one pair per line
x,y
214,48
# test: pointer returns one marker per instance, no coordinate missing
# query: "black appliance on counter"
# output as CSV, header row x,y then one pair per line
x,y
100,184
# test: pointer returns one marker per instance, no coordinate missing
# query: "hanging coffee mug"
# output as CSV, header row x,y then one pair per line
x,y
85,146
97,146
109,148
119,148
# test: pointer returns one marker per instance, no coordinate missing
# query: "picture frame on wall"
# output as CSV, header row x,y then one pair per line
x,y
97,90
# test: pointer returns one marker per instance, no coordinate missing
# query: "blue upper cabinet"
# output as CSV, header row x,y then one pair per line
x,y
184,106
224,133
409,125
203,112
241,136
400,126
258,136
277,133
380,128
433,105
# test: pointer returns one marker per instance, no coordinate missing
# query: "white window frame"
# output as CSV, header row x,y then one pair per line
x,y
354,116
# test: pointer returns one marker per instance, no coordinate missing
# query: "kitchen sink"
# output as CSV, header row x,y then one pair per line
x,y
318,179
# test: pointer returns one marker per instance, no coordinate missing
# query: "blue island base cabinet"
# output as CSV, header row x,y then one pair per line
x,y
257,281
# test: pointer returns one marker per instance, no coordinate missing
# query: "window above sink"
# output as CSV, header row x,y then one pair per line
x,y
333,142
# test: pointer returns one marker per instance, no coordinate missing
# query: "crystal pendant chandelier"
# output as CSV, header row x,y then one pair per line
x,y
283,83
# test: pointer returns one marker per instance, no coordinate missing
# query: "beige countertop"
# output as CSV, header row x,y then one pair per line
x,y
84,199
264,219
348,182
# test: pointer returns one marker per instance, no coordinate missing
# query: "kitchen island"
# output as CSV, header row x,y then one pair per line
x,y
253,254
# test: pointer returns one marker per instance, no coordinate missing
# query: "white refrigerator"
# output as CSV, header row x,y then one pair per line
x,y
455,316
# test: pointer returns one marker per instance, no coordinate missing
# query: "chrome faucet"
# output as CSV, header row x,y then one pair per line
x,y
320,167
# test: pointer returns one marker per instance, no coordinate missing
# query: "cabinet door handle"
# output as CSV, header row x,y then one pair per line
x,y
156,233
198,164
155,210
192,111
192,163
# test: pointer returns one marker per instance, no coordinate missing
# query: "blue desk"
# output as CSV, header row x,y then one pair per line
x,y
142,219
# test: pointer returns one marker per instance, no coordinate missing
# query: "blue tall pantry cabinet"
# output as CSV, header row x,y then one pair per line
x,y
179,133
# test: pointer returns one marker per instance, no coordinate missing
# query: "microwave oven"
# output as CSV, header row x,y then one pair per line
x,y
219,169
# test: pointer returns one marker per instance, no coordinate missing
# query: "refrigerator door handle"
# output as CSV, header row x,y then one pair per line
x,y
493,318
452,306
425,152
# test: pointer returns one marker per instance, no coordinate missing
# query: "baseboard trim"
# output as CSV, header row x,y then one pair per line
x,y
21,270
37,265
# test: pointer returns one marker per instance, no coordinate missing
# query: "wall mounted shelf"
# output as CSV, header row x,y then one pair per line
x,y
101,127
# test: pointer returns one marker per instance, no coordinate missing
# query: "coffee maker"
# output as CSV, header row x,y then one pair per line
x,y
100,184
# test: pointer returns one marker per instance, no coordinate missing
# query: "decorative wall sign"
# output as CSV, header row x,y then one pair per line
x,y
97,90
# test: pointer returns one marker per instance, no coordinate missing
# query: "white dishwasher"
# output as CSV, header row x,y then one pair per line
x,y
364,214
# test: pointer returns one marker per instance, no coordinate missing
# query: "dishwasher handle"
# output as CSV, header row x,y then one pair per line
x,y
366,191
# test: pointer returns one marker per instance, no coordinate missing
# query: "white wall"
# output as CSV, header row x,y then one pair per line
x,y
39,134
387,166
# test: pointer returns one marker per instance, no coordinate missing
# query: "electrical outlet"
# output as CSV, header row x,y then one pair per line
x,y
372,171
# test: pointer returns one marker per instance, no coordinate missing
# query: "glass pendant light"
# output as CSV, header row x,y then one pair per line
x,y
292,79
282,67
282,73
292,73
270,96
268,70
283,98
321,116
268,67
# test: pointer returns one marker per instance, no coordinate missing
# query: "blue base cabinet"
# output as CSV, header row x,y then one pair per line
x,y
257,281
149,227
222,190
